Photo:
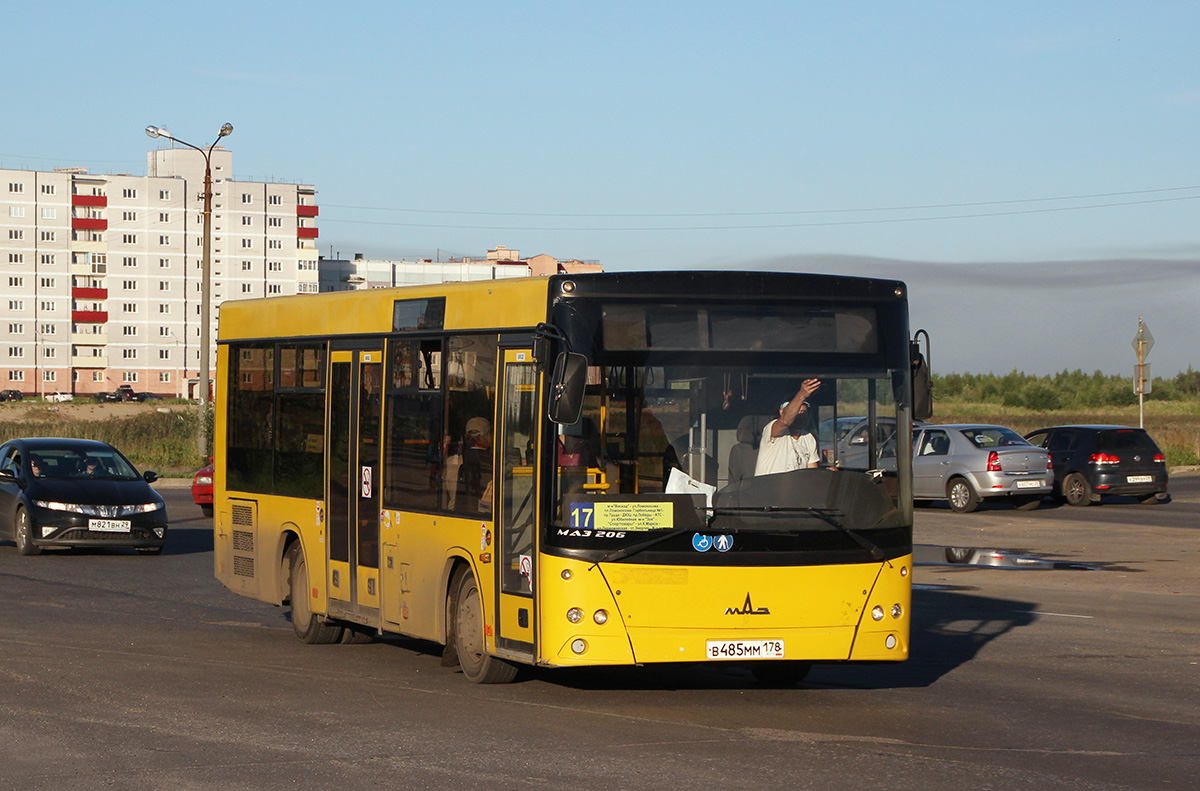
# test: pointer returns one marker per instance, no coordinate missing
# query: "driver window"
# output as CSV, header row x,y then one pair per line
x,y
935,443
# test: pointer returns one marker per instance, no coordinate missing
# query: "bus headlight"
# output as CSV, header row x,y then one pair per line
x,y
897,611
574,615
578,646
601,617
877,613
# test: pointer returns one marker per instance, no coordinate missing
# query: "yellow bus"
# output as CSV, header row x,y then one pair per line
x,y
561,471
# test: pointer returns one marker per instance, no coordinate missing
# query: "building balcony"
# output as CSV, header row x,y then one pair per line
x,y
89,338
306,211
81,361
306,233
88,224
89,316
89,293
89,200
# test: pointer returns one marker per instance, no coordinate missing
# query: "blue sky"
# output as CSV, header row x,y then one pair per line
x,y
1039,160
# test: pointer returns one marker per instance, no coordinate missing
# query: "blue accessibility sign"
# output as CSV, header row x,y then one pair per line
x,y
701,543
723,543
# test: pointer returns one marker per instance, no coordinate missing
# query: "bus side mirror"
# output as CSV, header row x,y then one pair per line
x,y
567,384
922,379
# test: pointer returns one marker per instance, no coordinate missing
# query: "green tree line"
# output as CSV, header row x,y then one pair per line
x,y
1065,390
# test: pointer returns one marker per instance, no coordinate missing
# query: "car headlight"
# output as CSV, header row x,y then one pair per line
x,y
53,506
202,480
144,508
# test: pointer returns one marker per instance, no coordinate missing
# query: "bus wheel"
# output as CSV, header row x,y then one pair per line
x,y
476,664
310,627
780,674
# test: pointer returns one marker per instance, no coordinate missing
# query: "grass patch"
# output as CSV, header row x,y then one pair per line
x,y
161,441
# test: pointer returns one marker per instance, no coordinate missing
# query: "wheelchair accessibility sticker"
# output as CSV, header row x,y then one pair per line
x,y
703,543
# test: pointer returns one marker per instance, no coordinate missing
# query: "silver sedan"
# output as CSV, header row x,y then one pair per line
x,y
968,463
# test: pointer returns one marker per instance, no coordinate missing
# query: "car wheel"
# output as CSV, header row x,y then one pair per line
x,y
962,497
23,535
958,554
778,674
1148,499
477,665
1076,490
309,627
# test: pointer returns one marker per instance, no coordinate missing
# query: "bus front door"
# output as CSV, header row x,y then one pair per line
x,y
352,483
516,550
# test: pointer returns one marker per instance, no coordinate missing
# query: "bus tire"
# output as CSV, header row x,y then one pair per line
x,y
309,627
776,674
477,665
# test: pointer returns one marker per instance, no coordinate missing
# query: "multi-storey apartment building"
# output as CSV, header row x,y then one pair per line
x,y
103,271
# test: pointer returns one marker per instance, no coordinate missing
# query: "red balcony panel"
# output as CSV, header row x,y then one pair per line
x,y
89,293
89,200
307,211
88,224
306,233
89,316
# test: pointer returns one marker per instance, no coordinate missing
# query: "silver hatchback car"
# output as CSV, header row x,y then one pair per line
x,y
968,463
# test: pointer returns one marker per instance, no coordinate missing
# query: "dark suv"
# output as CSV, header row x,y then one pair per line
x,y
1092,461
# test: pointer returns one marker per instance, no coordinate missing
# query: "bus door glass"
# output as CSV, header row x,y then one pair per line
x,y
355,407
516,526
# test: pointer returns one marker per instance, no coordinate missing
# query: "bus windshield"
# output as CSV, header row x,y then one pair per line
x,y
669,450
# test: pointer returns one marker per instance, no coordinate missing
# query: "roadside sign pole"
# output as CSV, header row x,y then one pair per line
x,y
1142,343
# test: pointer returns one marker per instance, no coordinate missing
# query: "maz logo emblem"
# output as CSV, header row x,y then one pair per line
x,y
747,609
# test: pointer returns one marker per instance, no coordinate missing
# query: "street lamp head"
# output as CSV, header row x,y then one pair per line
x,y
154,131
226,129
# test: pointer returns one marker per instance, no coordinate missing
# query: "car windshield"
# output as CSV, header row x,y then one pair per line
x,y
71,463
993,436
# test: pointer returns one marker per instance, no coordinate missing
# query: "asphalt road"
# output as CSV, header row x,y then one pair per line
x,y
1078,671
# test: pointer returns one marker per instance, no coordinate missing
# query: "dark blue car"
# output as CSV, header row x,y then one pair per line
x,y
77,493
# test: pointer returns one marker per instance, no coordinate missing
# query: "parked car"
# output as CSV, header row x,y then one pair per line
x,y
968,463
105,397
202,489
59,398
10,395
1093,461
77,493
147,397
125,392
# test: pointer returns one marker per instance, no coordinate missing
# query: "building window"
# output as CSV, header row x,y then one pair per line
x,y
16,258
97,376
129,238
275,222
16,234
129,193
245,288
129,354
47,306
16,376
275,266
164,240
164,285
164,354
164,195
17,188
49,351
164,376
47,189
16,352
48,282
47,236
16,304
49,329
49,376
16,282
164,263
164,308
164,216
274,288
247,243
129,261
48,258
49,214
275,200
129,216
275,244
247,266
130,376
129,329
129,285
247,220
16,329
247,197
129,307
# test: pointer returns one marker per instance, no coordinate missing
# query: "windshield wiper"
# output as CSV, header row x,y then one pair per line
x,y
826,515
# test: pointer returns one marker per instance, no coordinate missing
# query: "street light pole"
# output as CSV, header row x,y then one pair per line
x,y
205,281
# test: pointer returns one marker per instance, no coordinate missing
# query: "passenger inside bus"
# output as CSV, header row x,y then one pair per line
x,y
787,442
